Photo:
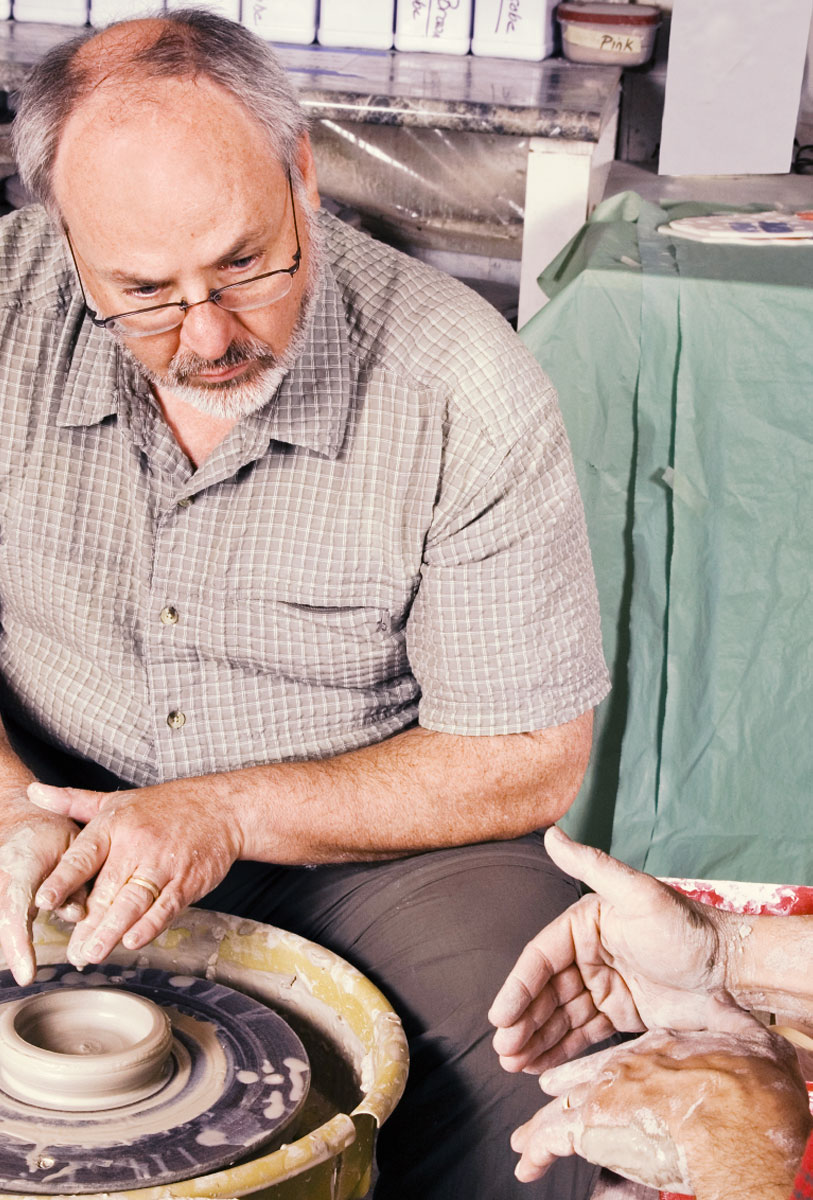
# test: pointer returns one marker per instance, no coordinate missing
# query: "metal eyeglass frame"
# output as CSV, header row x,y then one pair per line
x,y
184,305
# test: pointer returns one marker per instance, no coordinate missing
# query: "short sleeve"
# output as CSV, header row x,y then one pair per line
x,y
504,634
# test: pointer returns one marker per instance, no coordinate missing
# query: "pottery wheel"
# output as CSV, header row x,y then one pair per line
x,y
238,1075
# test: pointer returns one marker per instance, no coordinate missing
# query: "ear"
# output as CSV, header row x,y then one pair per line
x,y
307,168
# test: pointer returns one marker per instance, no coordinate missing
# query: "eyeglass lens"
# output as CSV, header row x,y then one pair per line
x,y
237,297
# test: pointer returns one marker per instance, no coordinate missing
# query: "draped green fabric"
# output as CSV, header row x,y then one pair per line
x,y
685,375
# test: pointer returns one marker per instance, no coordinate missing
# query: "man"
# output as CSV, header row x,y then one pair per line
x,y
709,1102
293,571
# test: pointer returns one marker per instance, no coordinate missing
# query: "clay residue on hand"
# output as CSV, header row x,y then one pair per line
x,y
642,1151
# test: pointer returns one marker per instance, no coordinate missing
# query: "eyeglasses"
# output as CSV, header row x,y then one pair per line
x,y
257,292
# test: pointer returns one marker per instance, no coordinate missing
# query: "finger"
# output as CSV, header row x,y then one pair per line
x,y
15,933
550,1134
569,1045
575,1027
512,1039
74,907
547,955
119,905
76,803
80,863
155,920
588,1070
551,1020
613,880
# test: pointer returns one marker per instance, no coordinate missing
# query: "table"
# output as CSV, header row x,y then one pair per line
x,y
495,160
685,374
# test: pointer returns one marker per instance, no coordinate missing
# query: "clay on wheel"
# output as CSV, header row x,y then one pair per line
x,y
79,1050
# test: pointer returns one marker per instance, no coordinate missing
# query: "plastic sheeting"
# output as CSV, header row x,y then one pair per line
x,y
685,374
442,189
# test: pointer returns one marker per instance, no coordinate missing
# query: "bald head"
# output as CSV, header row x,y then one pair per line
x,y
130,64
116,50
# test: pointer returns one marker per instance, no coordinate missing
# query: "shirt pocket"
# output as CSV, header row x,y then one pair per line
x,y
334,637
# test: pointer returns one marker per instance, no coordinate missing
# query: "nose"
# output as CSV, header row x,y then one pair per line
x,y
207,331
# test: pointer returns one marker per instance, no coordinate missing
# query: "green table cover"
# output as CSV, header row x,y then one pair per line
x,y
685,375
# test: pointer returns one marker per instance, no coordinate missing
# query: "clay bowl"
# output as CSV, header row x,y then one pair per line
x,y
354,1039
79,1049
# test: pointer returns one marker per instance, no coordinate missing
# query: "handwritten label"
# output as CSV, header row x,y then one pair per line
x,y
430,19
509,16
444,7
607,43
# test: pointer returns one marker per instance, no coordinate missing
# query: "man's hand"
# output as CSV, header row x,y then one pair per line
x,y
31,844
152,851
634,955
711,1114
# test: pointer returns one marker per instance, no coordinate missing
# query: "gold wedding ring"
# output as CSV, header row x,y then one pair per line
x,y
147,884
566,1101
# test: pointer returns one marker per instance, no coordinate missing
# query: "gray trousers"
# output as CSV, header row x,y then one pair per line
x,y
437,933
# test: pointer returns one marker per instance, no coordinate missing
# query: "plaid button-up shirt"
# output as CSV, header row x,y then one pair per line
x,y
396,537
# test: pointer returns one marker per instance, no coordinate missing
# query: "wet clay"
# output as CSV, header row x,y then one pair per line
x,y
132,1074
78,1050
642,1155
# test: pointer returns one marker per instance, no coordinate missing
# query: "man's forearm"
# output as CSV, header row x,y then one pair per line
x,y
417,791
14,774
768,963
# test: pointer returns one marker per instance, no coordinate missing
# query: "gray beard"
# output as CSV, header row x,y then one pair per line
x,y
233,399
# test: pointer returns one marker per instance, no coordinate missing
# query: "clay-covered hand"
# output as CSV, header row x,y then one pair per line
x,y
31,844
633,955
714,1115
151,851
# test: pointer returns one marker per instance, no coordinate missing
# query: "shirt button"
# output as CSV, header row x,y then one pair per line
x,y
184,502
176,719
169,615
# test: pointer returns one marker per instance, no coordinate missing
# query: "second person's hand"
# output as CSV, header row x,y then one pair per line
x,y
633,955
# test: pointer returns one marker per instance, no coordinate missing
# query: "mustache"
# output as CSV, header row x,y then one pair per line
x,y
185,364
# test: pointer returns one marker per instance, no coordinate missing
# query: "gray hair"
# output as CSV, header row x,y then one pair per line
x,y
192,43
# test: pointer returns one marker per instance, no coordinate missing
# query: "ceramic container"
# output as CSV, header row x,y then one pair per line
x,y
514,28
61,12
615,34
442,26
224,8
350,23
102,12
281,21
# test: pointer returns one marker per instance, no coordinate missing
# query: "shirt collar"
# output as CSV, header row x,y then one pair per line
x,y
90,377
311,407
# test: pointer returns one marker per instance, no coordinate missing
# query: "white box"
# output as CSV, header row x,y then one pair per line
x,y
282,20
733,85
224,8
514,28
102,12
433,25
357,23
61,12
